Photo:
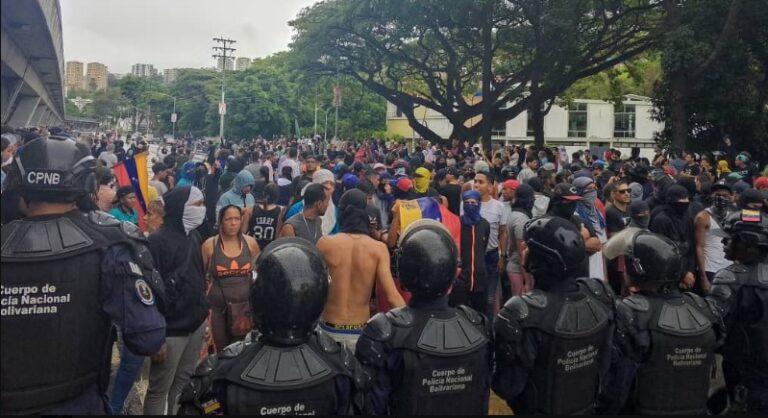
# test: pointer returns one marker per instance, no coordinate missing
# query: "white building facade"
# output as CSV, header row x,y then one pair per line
x,y
593,124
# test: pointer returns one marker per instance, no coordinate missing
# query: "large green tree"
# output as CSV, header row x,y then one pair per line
x,y
436,54
715,74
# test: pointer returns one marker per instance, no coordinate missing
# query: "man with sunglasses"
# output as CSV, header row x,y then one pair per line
x,y
617,219
741,292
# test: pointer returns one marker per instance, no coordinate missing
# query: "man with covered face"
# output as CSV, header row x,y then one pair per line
x,y
709,234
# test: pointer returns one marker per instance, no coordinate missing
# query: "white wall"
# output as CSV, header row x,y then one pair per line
x,y
645,126
556,123
517,127
600,121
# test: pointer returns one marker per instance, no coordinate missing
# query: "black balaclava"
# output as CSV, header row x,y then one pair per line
x,y
524,199
353,217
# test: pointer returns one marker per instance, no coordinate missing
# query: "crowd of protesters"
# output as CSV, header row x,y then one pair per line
x,y
211,209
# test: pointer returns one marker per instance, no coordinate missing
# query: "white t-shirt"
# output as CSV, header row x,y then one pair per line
x,y
497,216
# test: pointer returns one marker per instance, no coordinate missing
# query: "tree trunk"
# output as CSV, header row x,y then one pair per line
x,y
537,116
678,113
487,103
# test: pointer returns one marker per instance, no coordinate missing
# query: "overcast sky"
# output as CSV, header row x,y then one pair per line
x,y
173,33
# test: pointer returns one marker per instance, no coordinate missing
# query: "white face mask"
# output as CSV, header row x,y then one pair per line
x,y
193,217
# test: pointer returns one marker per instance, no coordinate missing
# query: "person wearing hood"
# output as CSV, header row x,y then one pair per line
x,y
672,220
471,286
240,193
592,218
421,178
188,174
176,250
541,199
522,212
709,234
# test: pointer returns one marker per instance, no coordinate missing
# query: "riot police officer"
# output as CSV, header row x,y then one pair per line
x,y
427,358
665,339
288,366
741,292
553,344
66,277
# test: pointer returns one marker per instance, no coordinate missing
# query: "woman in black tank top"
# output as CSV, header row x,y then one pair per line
x,y
228,258
264,219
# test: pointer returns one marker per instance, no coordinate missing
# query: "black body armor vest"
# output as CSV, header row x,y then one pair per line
x,y
260,379
56,340
574,329
446,360
673,378
744,291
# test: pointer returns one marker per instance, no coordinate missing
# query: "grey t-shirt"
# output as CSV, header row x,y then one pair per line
x,y
515,231
309,229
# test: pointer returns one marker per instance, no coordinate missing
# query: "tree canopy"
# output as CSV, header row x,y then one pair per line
x,y
436,54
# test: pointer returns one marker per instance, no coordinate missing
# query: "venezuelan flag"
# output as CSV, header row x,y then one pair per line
x,y
428,208
133,172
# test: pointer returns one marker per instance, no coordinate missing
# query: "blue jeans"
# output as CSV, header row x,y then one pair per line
x,y
492,269
130,366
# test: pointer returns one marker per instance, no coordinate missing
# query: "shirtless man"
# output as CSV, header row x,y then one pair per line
x,y
356,262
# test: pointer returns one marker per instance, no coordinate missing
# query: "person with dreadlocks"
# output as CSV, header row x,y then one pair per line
x,y
356,263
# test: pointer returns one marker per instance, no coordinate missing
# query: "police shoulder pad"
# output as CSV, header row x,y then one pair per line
x,y
515,308
378,328
207,366
597,287
132,231
726,275
401,317
695,299
102,218
475,317
326,343
637,303
536,298
737,268
232,350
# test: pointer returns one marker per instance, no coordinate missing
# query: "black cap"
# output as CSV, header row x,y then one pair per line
x,y
566,191
721,185
637,207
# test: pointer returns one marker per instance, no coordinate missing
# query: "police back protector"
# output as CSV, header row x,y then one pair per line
x,y
674,376
292,380
574,328
745,290
56,340
446,360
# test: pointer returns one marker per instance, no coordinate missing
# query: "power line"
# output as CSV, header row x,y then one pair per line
x,y
222,55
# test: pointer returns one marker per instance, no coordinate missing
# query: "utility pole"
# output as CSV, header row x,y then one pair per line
x,y
173,119
222,54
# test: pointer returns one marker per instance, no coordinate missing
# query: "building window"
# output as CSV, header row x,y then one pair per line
x,y
398,112
577,120
499,129
624,121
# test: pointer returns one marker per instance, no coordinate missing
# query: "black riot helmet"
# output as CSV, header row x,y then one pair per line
x,y
427,259
57,170
290,290
556,250
748,225
654,259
